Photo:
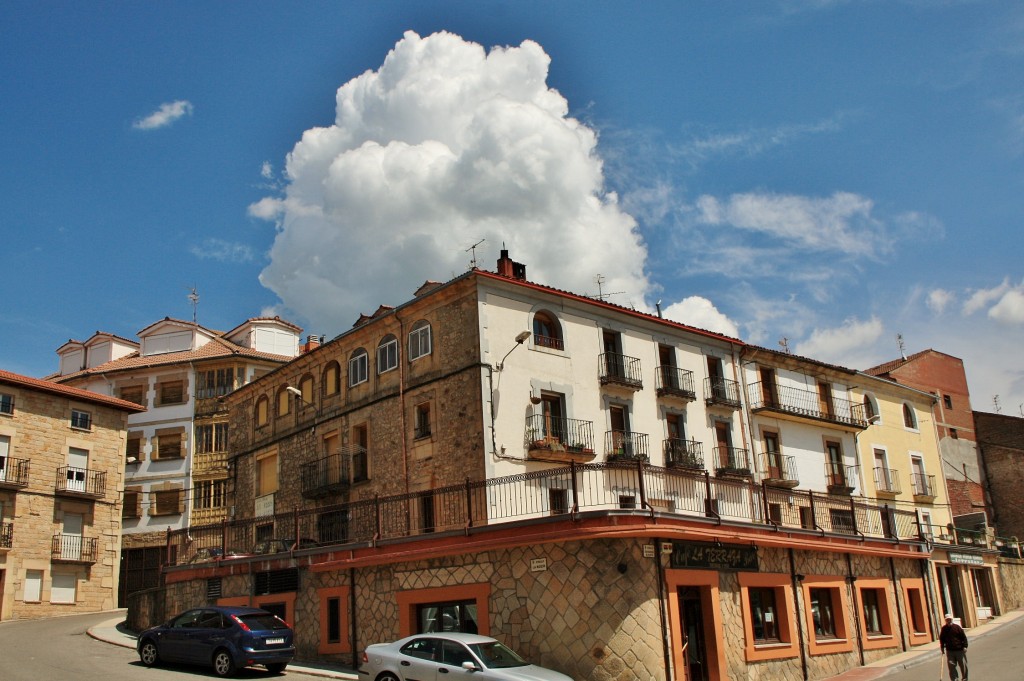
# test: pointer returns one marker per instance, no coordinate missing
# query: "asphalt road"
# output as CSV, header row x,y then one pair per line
x,y
59,649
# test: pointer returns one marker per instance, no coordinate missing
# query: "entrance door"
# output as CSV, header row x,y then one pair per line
x,y
695,653
949,583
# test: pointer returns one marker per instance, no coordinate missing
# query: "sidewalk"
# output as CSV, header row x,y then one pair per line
x,y
922,654
113,631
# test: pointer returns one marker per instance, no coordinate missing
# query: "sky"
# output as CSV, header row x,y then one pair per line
x,y
837,178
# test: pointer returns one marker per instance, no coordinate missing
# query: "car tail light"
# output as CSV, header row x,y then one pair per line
x,y
245,627
365,658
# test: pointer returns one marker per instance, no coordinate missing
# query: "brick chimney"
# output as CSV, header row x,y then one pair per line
x,y
312,343
509,268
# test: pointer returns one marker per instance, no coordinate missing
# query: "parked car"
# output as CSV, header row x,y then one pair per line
x,y
427,656
226,638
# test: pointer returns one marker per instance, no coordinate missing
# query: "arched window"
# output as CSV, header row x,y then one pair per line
x,y
262,414
547,333
420,340
871,414
332,379
284,401
357,367
306,388
387,354
909,418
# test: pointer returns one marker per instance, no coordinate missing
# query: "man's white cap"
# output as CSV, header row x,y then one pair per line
x,y
949,616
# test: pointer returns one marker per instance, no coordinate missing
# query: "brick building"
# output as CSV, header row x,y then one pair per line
x,y
61,480
1001,447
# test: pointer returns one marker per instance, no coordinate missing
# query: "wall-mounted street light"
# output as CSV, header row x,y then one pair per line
x,y
520,339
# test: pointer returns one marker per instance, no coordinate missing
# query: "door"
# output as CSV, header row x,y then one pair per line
x,y
613,354
332,452
773,456
554,417
949,584
723,445
78,464
825,400
768,393
621,443
836,469
667,362
71,537
691,615
882,478
5,450
716,379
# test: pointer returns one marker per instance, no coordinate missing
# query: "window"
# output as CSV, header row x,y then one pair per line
x,y
166,502
168,446
948,401
768,609
547,333
284,402
452,616
262,411
133,448
333,620
357,367
872,614
913,591
870,409
558,501
909,418
953,434
6,404
387,354
134,393
170,392
62,588
214,383
332,379
33,585
823,613
420,340
422,420
132,504
266,474
764,615
306,391
208,494
877,625
211,437
82,420
5,451
334,630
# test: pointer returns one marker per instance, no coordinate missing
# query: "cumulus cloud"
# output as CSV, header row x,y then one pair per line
x,y
939,300
167,114
1009,309
979,299
443,145
701,313
842,222
225,251
842,344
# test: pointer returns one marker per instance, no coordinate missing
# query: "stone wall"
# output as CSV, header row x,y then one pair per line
x,y
1011,581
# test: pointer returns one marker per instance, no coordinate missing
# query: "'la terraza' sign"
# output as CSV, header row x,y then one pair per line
x,y
714,556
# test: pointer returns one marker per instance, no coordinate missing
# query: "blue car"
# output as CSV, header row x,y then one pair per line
x,y
225,638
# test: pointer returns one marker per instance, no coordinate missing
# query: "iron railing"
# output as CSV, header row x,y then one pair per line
x,y
887,480
805,403
780,469
6,535
681,453
621,445
73,548
591,487
924,485
333,473
616,369
675,382
81,481
732,460
548,342
839,477
721,391
13,472
543,432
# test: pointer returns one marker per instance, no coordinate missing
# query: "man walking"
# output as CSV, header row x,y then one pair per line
x,y
953,642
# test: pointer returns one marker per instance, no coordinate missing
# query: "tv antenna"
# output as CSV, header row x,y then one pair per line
x,y
784,344
599,280
472,262
899,342
995,403
193,299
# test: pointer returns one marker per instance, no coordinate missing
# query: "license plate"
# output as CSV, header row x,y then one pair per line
x,y
275,641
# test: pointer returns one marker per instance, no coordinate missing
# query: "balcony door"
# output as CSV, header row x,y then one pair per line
x,y
618,417
71,537
5,450
613,362
723,443
667,362
553,408
836,468
78,463
825,405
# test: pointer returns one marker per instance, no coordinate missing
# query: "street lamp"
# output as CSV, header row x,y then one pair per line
x,y
520,339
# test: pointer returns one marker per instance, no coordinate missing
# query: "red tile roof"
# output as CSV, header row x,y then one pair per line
x,y
67,391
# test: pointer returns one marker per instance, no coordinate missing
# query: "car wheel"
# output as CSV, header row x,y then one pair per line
x,y
149,654
387,676
276,668
223,665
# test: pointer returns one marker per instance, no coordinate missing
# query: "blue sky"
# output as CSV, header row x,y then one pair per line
x,y
833,173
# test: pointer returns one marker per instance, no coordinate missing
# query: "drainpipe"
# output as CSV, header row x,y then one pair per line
x,y
401,401
352,617
926,577
662,605
799,618
744,402
852,581
896,594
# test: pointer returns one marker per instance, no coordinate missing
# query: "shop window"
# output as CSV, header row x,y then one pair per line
x,y
823,612
917,610
768,607
827,614
453,608
458,616
876,619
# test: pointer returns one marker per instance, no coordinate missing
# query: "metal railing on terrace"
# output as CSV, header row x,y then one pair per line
x,y
806,404
73,548
780,469
13,472
543,431
616,369
672,381
622,445
840,477
684,453
578,488
887,481
6,535
334,472
81,481
732,460
721,391
924,485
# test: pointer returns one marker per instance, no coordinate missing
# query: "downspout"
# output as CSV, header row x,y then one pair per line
x,y
401,403
926,577
852,581
743,400
665,648
799,619
896,595
352,617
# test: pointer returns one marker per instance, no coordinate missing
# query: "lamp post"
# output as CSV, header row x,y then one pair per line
x,y
520,339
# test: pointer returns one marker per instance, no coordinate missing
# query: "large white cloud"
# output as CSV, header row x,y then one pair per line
x,y
442,146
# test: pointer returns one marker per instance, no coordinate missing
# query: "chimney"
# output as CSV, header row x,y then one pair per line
x,y
509,268
312,343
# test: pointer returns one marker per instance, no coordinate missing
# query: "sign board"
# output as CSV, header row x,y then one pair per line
x,y
538,564
264,505
648,550
697,555
965,559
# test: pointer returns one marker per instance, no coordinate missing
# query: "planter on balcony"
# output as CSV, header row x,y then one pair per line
x,y
733,472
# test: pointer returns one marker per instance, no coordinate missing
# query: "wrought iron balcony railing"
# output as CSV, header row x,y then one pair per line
x,y
674,382
805,404
732,461
73,548
6,535
548,342
624,445
887,481
924,485
680,453
559,439
780,470
721,391
13,472
333,473
840,478
615,369
81,481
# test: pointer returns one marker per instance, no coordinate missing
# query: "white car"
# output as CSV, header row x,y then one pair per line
x,y
428,656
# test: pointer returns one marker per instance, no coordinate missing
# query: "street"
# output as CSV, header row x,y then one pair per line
x,y
59,649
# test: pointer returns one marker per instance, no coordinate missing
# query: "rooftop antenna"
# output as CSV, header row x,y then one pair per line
x,y
899,342
784,344
193,299
995,403
472,262
600,279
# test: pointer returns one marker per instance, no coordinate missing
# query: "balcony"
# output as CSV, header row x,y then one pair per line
x,y
624,445
619,370
887,482
840,478
675,382
334,473
732,462
73,548
6,535
687,454
721,392
924,487
559,440
806,406
780,471
13,472
81,482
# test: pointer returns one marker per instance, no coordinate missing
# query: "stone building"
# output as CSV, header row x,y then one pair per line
x,y
584,481
176,453
61,480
